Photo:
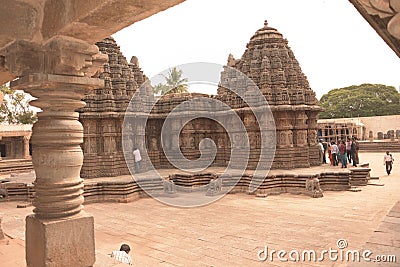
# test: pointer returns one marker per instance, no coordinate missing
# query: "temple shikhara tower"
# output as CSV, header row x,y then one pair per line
x,y
271,64
103,115
268,61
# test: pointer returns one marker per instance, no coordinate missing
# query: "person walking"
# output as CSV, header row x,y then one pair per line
x,y
325,145
388,161
343,154
353,151
321,151
330,153
348,148
335,151
138,159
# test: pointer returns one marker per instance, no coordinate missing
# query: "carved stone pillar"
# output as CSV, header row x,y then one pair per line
x,y
26,147
1,101
59,233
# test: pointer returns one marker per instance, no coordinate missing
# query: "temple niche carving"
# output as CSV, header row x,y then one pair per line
x,y
268,61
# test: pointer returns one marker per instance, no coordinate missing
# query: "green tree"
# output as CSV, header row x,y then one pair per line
x,y
15,108
174,83
363,100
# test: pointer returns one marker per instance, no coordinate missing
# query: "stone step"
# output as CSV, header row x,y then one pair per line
x,y
392,146
15,166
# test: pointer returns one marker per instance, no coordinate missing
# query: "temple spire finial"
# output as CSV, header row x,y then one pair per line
x,y
265,23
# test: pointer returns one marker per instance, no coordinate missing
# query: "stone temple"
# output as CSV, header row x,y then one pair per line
x,y
49,46
268,61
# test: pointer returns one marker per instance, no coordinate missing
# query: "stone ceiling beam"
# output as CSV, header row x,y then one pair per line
x,y
89,20
20,19
37,21
93,20
384,17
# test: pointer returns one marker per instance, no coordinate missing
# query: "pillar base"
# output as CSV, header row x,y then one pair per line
x,y
1,232
62,242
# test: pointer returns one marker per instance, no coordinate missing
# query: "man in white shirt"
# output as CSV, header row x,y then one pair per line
x,y
321,151
138,159
122,254
388,161
335,151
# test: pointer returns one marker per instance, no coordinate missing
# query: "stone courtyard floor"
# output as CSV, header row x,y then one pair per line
x,y
231,231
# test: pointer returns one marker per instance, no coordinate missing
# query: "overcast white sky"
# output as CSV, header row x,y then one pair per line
x,y
334,45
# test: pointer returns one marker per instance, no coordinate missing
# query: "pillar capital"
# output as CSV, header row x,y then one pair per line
x,y
73,86
60,55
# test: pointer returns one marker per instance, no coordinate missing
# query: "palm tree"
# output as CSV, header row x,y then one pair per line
x,y
174,83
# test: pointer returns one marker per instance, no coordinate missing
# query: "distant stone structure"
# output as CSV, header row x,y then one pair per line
x,y
340,129
361,127
375,134
268,61
14,141
371,136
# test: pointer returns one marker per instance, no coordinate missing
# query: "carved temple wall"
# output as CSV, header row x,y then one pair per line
x,y
296,137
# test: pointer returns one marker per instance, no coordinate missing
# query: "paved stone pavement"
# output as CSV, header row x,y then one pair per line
x,y
384,242
231,231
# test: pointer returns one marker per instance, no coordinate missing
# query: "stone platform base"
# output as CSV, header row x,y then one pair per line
x,y
1,232
126,189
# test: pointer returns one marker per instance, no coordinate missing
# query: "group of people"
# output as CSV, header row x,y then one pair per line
x,y
343,152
